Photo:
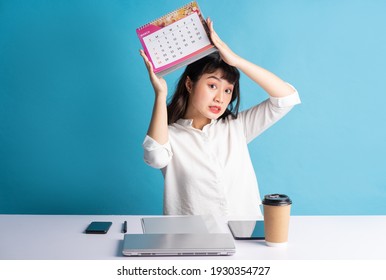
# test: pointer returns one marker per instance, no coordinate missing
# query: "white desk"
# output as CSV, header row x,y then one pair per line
x,y
311,238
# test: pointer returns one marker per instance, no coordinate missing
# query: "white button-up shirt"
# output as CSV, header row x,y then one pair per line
x,y
209,171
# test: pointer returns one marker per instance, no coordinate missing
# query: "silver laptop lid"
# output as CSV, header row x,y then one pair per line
x,y
207,244
168,224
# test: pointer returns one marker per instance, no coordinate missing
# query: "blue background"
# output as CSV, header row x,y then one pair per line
x,y
75,103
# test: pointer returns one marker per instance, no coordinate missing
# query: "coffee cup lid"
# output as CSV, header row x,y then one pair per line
x,y
277,200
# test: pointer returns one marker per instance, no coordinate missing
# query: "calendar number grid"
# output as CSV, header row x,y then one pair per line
x,y
176,41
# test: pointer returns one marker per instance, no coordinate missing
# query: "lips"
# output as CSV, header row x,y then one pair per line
x,y
215,109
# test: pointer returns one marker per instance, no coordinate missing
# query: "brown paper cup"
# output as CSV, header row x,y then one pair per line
x,y
276,219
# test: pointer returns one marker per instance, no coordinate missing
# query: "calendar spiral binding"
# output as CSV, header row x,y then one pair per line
x,y
193,4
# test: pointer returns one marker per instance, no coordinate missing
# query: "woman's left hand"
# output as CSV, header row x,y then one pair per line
x,y
225,52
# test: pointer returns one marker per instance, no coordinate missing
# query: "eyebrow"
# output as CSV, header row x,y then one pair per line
x,y
219,79
213,77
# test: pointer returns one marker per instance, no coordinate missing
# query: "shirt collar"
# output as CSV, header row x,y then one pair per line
x,y
189,122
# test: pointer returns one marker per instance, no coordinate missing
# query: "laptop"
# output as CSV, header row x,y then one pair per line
x,y
170,224
180,244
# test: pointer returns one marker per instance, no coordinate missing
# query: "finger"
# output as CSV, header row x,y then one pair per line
x,y
209,21
210,25
144,56
142,53
153,77
148,64
213,35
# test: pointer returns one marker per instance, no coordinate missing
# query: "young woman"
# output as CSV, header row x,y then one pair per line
x,y
199,140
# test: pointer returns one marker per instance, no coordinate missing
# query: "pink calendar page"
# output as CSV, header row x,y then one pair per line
x,y
176,39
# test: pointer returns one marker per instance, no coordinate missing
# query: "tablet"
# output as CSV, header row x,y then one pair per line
x,y
247,229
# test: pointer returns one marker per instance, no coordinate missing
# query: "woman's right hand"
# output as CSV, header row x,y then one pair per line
x,y
159,84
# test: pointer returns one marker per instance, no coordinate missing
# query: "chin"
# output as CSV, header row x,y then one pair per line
x,y
214,117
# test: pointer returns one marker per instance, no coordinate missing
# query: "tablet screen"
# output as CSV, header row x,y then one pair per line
x,y
247,229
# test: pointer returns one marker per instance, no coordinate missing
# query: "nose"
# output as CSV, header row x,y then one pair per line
x,y
219,97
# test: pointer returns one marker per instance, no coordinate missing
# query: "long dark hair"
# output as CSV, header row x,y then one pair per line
x,y
208,64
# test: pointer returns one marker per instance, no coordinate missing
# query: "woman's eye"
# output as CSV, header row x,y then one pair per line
x,y
212,86
228,91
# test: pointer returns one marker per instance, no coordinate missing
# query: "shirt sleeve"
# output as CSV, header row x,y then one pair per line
x,y
155,154
260,117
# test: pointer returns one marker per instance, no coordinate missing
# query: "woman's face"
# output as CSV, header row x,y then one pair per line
x,y
209,97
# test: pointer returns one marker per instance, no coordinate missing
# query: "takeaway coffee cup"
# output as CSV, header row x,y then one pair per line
x,y
277,209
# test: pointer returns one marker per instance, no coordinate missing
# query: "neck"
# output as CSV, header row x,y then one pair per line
x,y
199,121
199,124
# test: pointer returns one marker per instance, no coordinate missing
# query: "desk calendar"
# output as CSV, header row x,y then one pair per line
x,y
176,39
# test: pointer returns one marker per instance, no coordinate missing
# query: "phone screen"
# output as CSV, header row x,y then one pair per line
x,y
247,229
98,227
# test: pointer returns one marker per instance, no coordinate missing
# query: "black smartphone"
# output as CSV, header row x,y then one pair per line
x,y
98,227
247,229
